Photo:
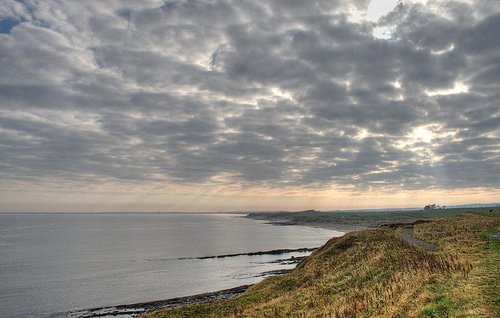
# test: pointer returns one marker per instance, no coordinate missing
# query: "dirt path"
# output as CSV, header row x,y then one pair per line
x,y
408,237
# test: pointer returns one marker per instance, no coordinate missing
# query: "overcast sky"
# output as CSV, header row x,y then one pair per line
x,y
222,105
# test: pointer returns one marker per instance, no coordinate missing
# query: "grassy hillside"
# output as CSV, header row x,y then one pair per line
x,y
374,273
366,219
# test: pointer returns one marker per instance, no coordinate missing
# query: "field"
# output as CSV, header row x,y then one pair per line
x,y
374,273
364,219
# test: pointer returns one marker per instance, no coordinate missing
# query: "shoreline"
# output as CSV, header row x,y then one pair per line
x,y
151,306
137,309
141,308
271,252
345,228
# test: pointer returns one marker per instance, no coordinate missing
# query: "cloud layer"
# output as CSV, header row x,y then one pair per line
x,y
276,95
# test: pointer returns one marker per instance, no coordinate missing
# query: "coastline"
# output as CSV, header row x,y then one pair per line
x,y
345,228
403,270
138,309
133,310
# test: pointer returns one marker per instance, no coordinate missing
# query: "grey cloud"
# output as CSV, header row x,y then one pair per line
x,y
271,93
427,30
482,37
192,131
489,76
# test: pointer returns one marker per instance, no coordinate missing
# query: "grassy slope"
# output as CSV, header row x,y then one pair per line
x,y
469,236
374,273
367,219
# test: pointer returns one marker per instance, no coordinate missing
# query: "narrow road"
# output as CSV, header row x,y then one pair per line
x,y
408,237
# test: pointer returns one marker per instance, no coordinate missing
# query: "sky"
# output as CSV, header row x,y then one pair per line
x,y
248,105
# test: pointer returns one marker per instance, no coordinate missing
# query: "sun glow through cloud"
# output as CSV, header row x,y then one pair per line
x,y
458,89
234,105
422,134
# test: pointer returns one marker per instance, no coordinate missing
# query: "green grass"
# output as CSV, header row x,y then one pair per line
x,y
469,236
491,270
374,273
368,219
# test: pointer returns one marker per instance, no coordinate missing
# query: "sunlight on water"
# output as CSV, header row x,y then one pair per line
x,y
60,262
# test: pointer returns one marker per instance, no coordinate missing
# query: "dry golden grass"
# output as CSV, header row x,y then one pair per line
x,y
374,273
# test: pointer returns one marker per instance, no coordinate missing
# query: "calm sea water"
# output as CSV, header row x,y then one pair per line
x,y
52,263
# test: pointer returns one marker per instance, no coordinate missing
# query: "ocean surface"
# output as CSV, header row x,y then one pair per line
x,y
55,263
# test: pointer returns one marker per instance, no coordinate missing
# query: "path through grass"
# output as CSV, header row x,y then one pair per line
x,y
374,273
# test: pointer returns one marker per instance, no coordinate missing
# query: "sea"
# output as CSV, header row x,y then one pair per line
x,y
57,263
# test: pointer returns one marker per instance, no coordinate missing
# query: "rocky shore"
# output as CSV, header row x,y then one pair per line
x,y
272,252
133,310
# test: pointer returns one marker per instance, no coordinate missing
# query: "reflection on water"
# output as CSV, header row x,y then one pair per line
x,y
59,262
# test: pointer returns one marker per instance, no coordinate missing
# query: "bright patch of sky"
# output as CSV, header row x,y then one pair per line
x,y
457,89
377,9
